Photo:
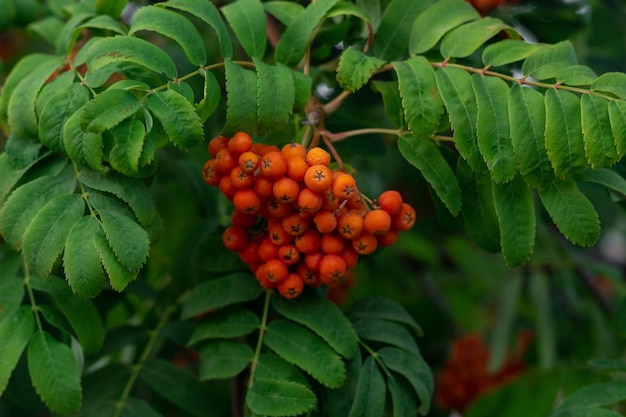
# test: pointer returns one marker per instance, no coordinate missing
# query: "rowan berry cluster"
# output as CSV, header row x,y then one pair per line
x,y
296,221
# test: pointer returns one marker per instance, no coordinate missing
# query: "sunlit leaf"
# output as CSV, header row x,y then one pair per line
x,y
356,68
576,75
119,275
610,82
126,152
241,99
84,148
597,135
247,19
549,61
508,51
275,94
466,39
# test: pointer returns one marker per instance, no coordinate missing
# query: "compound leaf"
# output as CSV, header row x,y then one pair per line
x,y
81,262
82,147
370,392
275,96
386,332
56,113
356,68
382,308
610,82
272,397
225,324
248,21
576,75
549,61
220,359
212,96
508,51
108,109
241,99
119,275
126,152
178,117
466,39
617,117
597,135
16,329
394,31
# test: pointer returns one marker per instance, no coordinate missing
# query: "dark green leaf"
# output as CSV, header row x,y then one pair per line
x,y
607,364
241,99
321,316
402,398
212,96
425,156
297,345
596,395
546,341
135,407
275,94
119,275
21,153
54,373
382,308
271,397
392,101
508,51
549,61
56,113
386,332
225,324
126,152
274,367
606,177
571,211
436,21
583,411
16,328
466,39
85,148
81,262
617,116
221,359
510,292
220,292
178,117
610,82
338,402
356,68
370,393
11,285
247,19
174,26
108,109
599,146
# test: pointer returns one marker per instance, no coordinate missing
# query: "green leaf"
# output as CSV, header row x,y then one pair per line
x,y
391,101
284,11
414,369
382,308
583,411
176,385
493,127
174,26
436,21
516,215
113,50
596,395
539,292
394,31
248,21
425,156
80,312
321,316
420,98
294,40
21,153
549,61
370,393
564,136
221,359
302,85
241,99
45,236
386,332
610,82
81,262
617,117
608,364
297,345
225,324
64,43
356,68
271,397
275,94
22,120
82,147
119,275
466,39
597,135
220,292
16,329
576,75
135,407
605,177
11,286
112,8
508,51
270,366
48,28
126,152
338,402
527,118
402,398
108,109
508,298
479,211
178,117
212,96
572,213
54,373
455,87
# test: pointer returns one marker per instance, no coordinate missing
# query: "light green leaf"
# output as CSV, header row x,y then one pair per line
x,y
576,75
247,19
508,298
516,216
540,296
321,316
126,152
275,95
564,136
221,359
466,39
225,324
610,82
436,21
119,275
54,373
508,51
178,117
572,213
174,26
382,308
220,292
297,35
284,11
549,61
48,28
45,236
479,211
597,135
386,332
455,87
424,155
241,99
527,118
16,328
617,117
297,345
606,177
271,397
394,31
420,98
177,386
207,12
391,101
112,8
56,113
493,127
81,262
402,398
356,68
370,393
85,148
108,109
212,96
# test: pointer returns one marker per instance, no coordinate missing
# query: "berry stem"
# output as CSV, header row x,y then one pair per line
x,y
333,151
259,343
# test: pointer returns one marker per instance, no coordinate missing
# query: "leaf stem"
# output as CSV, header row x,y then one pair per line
x,y
335,103
259,343
376,357
31,294
336,137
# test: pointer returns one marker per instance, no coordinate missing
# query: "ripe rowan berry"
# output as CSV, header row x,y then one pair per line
x,y
291,287
390,201
263,281
325,221
377,222
355,202
365,244
267,249
216,144
295,225
332,269
286,190
344,186
332,244
405,219
210,174
277,209
318,178
387,239
312,260
239,143
244,220
293,149
310,201
250,253
309,241
273,165
265,149
309,277
235,238
289,254
350,224
263,187
317,156
350,256
277,232
274,270
225,161
246,201
331,203
249,161
226,187
240,178
296,168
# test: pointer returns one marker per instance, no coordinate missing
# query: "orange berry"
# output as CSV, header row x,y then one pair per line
x,y
387,239
405,219
274,270
240,178
235,238
263,187
309,277
216,144
265,149
309,241
377,222
293,149
365,244
226,187
332,244
250,253
246,201
350,257
249,161
286,190
210,174
291,287
312,260
331,203
295,225
310,201
244,220
296,168
350,225
277,232
267,249
325,221
390,201
239,143
277,209
318,178
344,186
289,254
260,276
355,202
332,269
273,165
318,156
225,161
